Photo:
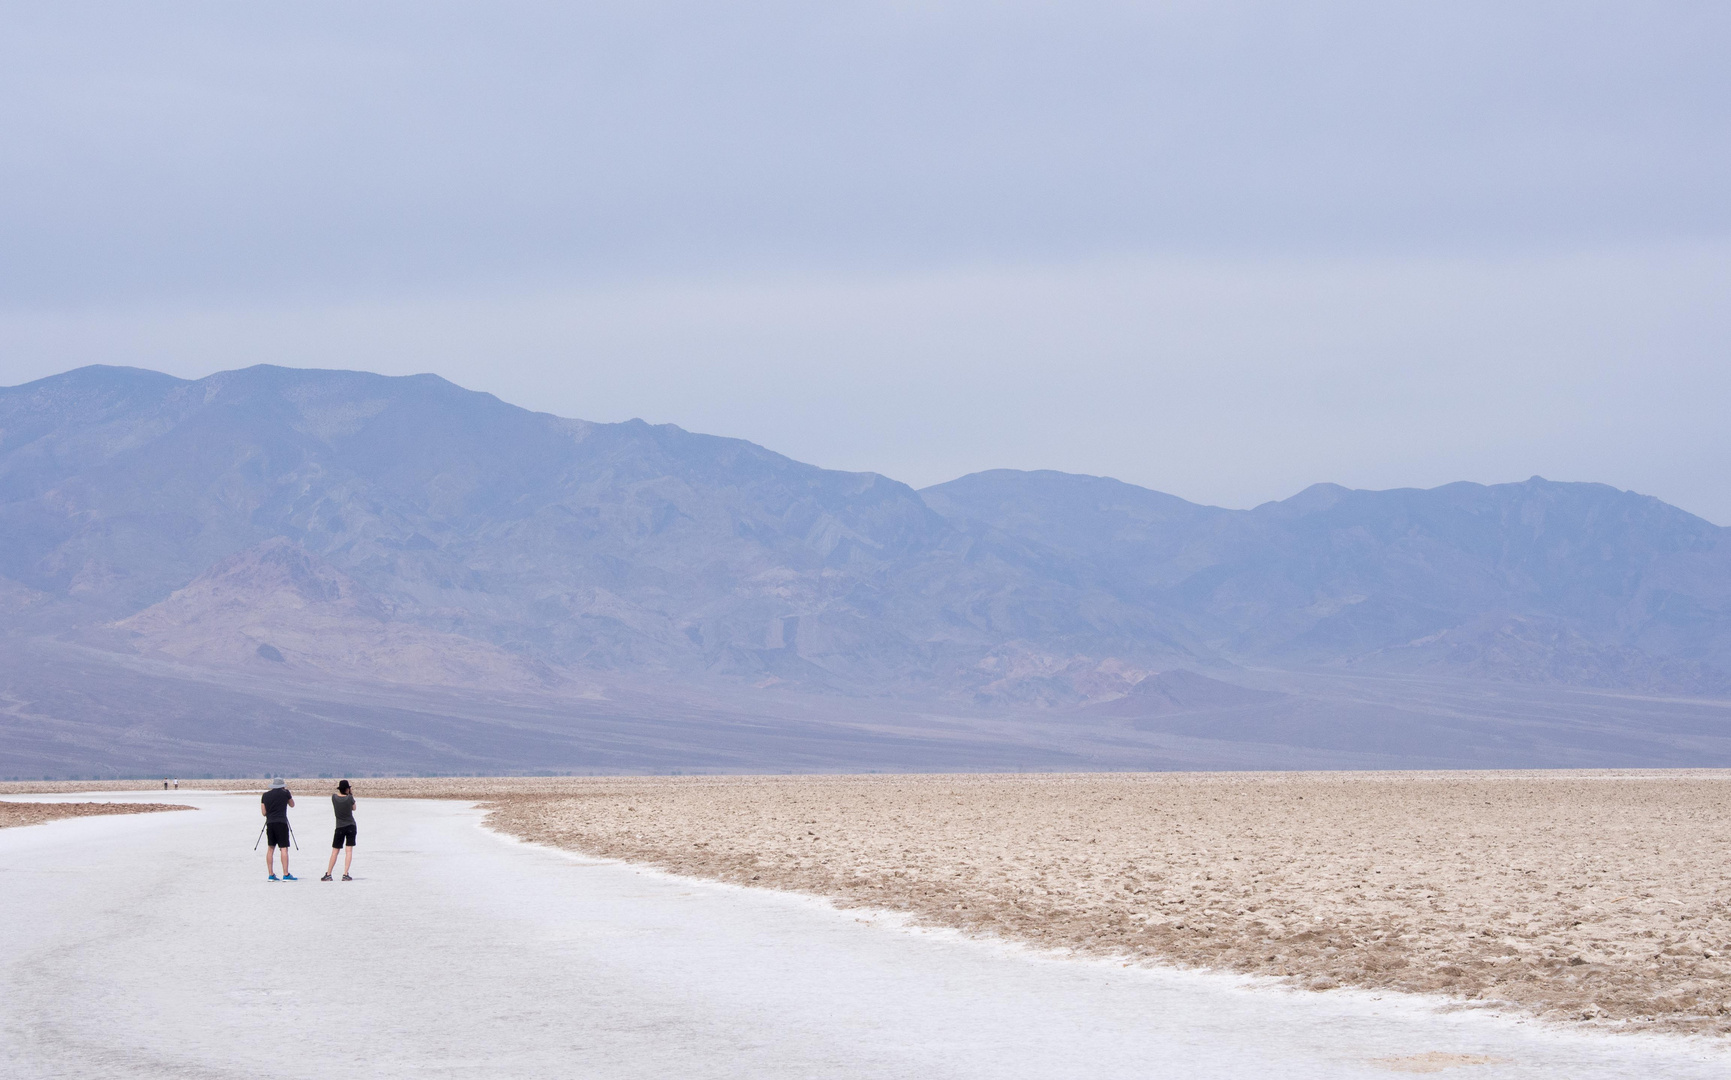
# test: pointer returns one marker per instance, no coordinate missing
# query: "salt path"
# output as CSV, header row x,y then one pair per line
x,y
152,945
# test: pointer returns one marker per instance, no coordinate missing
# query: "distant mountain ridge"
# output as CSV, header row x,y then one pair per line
x,y
1539,581
505,544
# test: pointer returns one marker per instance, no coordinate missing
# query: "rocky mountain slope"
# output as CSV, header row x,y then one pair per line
x,y
571,545
274,606
1578,584
622,546
305,529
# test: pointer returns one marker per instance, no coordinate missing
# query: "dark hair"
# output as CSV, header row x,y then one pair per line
x,y
343,786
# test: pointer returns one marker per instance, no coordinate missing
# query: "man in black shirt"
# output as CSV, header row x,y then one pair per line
x,y
274,806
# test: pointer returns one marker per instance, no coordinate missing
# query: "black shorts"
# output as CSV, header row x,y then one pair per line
x,y
345,834
276,833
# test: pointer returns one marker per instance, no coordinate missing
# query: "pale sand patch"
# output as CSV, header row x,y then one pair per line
x,y
14,814
1572,895
1433,1062
70,787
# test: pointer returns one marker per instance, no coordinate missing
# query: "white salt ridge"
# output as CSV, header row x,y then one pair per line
x,y
152,946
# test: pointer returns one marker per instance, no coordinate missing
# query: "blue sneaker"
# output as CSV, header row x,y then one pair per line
x,y
290,877
273,877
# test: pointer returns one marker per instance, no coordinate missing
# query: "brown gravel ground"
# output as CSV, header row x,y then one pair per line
x,y
1593,896
18,813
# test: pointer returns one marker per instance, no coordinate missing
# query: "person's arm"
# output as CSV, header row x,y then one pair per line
x,y
291,800
262,812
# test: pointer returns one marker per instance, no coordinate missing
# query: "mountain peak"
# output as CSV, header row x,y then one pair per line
x,y
1312,499
98,375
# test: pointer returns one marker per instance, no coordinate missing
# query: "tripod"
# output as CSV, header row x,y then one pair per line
x,y
292,838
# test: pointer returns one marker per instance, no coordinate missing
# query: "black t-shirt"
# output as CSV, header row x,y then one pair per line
x,y
276,802
344,805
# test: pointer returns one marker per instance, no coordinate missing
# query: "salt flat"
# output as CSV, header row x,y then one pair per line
x,y
151,945
1594,896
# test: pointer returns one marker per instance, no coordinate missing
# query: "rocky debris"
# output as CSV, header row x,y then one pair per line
x,y
34,813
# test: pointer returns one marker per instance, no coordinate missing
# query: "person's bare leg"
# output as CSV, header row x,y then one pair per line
x,y
348,858
270,860
333,861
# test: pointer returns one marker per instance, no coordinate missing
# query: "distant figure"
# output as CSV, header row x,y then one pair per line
x,y
177,783
165,783
274,805
343,802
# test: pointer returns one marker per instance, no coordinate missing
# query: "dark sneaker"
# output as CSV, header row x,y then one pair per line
x,y
290,877
347,878
327,877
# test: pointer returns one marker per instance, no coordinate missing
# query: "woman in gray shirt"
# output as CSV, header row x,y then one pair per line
x,y
343,802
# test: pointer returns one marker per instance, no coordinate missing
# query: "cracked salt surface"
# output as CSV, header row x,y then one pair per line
x,y
151,945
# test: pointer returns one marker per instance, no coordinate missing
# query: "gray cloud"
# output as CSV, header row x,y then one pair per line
x,y
185,147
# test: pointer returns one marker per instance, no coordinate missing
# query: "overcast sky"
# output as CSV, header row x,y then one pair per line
x,y
1220,249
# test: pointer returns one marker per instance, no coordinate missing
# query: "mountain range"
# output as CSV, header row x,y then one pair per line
x,y
291,536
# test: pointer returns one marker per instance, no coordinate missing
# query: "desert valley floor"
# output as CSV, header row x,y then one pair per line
x,y
1499,924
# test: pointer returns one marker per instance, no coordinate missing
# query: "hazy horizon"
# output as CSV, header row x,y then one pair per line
x,y
1221,251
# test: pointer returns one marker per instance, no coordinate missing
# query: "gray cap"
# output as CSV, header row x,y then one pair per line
x,y
276,781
